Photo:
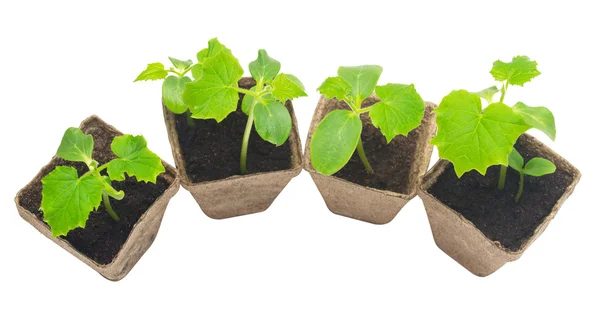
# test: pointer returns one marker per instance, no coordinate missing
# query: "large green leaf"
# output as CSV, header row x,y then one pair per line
x,y
272,121
540,118
180,65
287,86
363,80
517,72
264,67
135,159
399,111
76,146
67,200
335,87
334,141
172,93
213,96
471,139
154,71
538,167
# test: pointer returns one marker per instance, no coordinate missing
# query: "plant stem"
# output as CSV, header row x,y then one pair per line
x,y
503,92
190,121
502,178
249,123
363,157
521,183
109,209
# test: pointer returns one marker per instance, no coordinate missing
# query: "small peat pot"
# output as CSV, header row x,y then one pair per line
x,y
398,166
108,246
207,156
483,228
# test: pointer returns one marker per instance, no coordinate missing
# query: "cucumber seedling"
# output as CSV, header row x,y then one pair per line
x,y
68,199
475,139
535,167
338,135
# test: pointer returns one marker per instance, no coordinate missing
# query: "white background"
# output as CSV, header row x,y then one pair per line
x,y
62,62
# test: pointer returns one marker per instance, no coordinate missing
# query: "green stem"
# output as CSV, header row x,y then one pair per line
x,y
503,92
109,209
190,121
249,123
363,157
502,178
256,93
521,183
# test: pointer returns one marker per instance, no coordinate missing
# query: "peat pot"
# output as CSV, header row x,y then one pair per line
x,y
483,228
398,167
207,156
110,248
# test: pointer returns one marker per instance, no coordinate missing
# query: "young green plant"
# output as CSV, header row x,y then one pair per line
x,y
68,199
338,135
535,167
475,139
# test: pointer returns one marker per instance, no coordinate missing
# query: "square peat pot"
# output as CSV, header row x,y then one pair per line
x,y
110,248
483,228
398,166
207,156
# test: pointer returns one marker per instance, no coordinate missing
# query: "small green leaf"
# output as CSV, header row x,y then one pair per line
x,y
264,67
172,92
135,159
399,111
471,139
272,121
538,167
488,93
213,96
335,87
287,86
517,72
540,118
214,48
180,64
76,146
334,141
363,79
515,160
248,101
201,55
68,200
154,71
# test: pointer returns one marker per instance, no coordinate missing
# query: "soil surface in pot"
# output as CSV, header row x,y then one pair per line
x,y
495,212
103,237
211,150
391,162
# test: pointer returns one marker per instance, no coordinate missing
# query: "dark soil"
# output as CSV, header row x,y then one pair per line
x,y
391,162
103,238
211,150
495,212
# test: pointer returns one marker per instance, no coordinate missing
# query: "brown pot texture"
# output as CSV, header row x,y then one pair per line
x,y
364,203
239,194
141,236
462,240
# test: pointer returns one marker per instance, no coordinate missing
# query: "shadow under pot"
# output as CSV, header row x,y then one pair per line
x,y
207,156
375,198
111,248
483,228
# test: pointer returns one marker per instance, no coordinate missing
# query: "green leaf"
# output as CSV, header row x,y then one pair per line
x,y
213,96
201,55
214,48
363,80
172,92
471,139
517,72
272,121
135,159
488,93
264,67
335,87
399,111
180,65
76,146
538,167
334,141
68,200
515,160
287,86
540,118
197,71
248,101
154,71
